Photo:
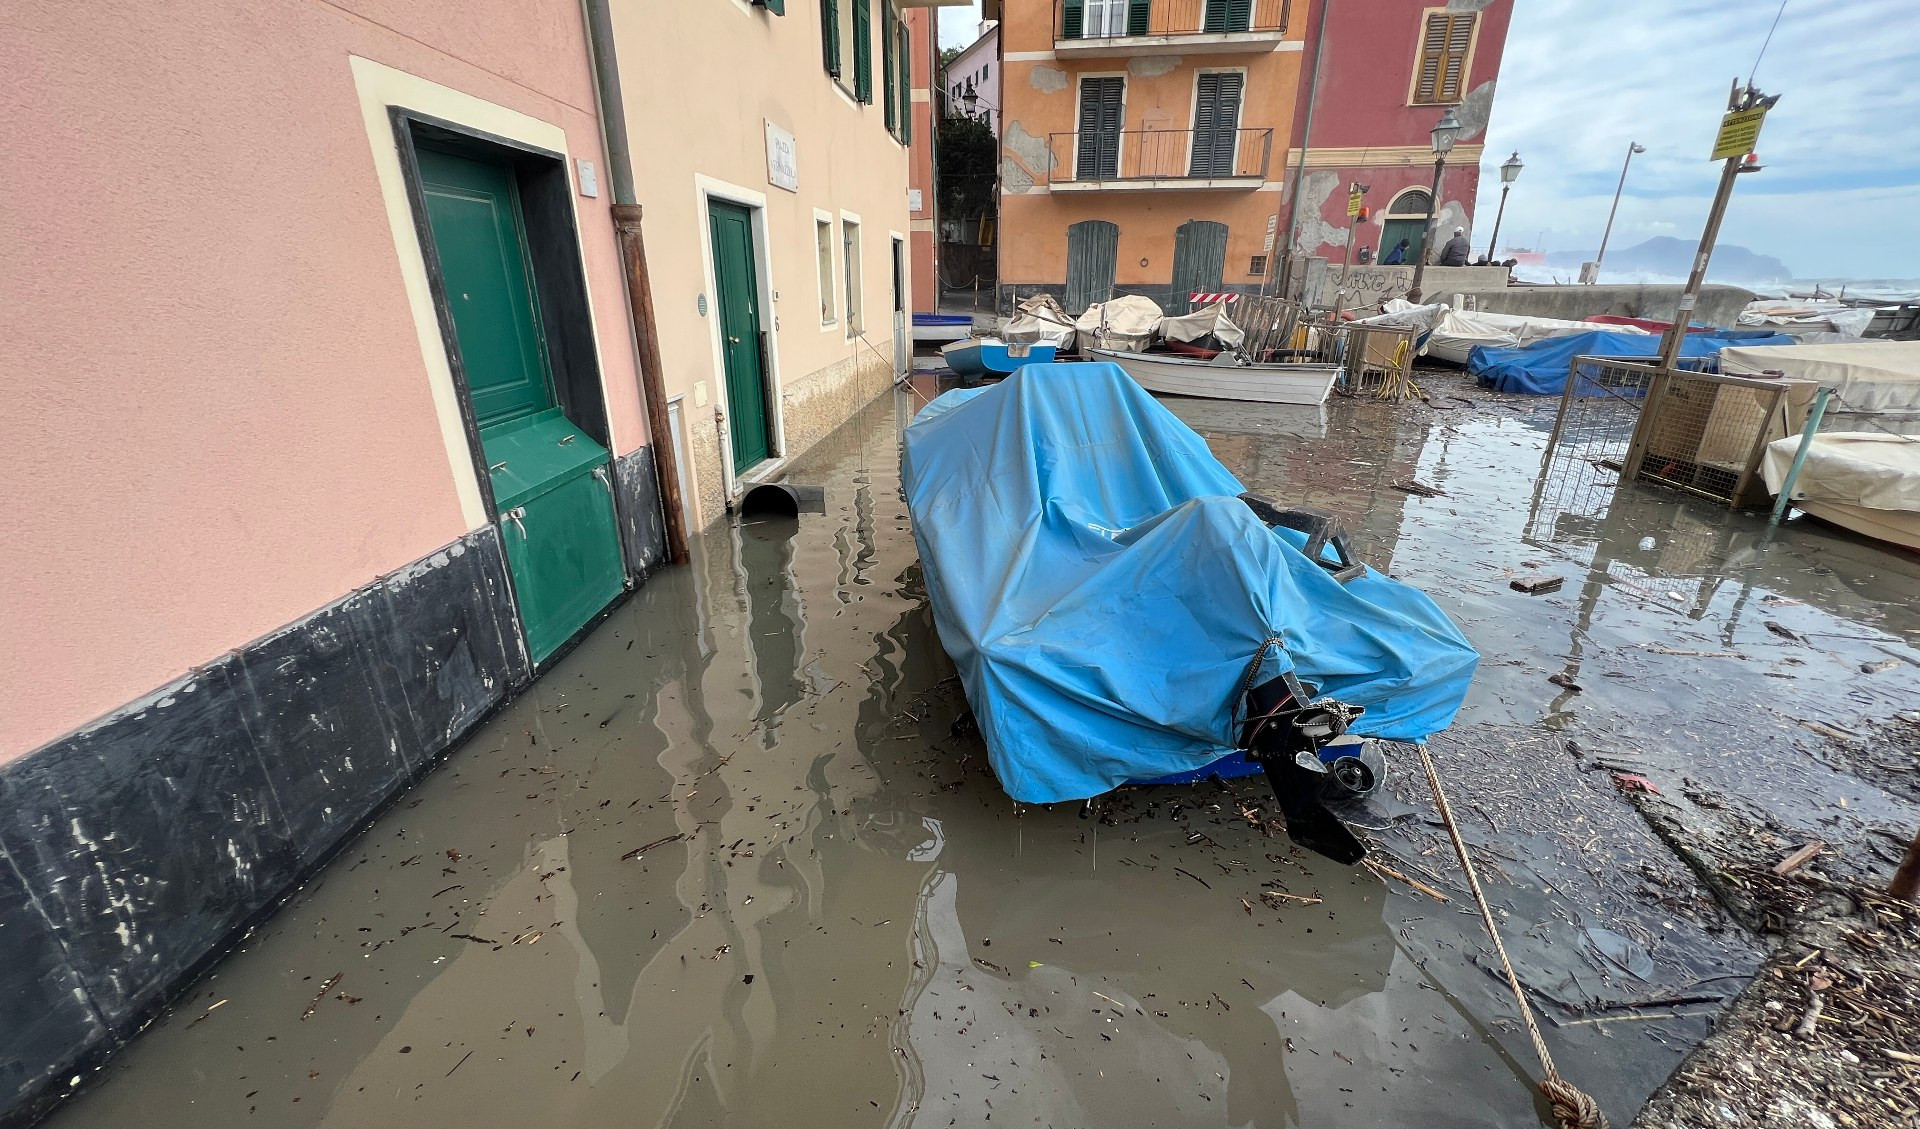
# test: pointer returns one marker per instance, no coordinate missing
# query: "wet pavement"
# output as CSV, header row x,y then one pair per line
x,y
731,863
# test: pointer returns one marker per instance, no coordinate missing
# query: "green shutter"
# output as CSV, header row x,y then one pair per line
x,y
830,36
887,75
1138,14
1073,18
777,7
863,50
906,86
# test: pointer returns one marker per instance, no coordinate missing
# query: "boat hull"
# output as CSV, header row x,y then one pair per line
x,y
1306,384
987,356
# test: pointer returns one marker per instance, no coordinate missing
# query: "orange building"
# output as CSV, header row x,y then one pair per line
x,y
1143,145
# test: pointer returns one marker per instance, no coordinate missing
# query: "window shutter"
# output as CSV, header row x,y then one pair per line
x,y
1073,19
1453,71
863,50
1441,73
777,7
1099,139
1139,13
906,85
887,75
830,36
1228,15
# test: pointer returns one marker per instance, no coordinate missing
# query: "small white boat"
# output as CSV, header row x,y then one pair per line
x,y
1225,379
1866,481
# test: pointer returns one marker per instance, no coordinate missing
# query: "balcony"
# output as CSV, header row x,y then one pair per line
x,y
1091,29
1135,159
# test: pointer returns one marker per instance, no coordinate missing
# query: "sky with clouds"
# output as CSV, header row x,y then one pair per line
x,y
1580,79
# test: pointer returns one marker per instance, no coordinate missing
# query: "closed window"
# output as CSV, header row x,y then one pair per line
x,y
1097,148
823,253
1446,49
1216,123
850,248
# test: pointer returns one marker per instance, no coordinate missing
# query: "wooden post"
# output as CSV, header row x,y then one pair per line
x,y
633,254
1906,880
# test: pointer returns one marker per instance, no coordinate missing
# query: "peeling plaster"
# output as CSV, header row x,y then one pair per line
x,y
1474,109
1047,80
1023,158
1152,66
1314,228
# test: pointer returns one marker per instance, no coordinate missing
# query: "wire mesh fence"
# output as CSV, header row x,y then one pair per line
x,y
1705,433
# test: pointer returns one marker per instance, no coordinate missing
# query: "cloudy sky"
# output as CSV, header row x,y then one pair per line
x,y
1581,78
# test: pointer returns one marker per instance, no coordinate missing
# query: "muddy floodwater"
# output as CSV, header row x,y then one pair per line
x,y
731,863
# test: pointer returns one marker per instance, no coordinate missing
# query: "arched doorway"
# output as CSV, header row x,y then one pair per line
x,y
1406,219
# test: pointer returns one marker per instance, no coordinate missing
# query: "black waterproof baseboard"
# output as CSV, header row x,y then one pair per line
x,y
134,851
643,532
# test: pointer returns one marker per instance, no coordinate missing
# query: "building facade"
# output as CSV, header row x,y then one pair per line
x,y
976,70
1388,70
1143,145
340,324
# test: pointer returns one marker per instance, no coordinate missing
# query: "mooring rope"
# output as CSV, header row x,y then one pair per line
x,y
1572,1107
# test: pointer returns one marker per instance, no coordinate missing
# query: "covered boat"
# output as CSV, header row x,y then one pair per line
x,y
1866,481
1120,610
1540,368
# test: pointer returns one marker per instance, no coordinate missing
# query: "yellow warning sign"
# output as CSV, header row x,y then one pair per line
x,y
1353,203
1739,133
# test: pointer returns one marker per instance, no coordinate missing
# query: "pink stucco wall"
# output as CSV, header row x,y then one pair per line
x,y
1367,70
217,416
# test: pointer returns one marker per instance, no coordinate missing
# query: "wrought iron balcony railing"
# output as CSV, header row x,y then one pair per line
x,y
1174,158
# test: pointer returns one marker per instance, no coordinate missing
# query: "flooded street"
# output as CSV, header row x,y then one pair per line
x,y
731,862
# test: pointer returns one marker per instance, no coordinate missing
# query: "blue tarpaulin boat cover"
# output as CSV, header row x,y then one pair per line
x,y
1540,367
1104,591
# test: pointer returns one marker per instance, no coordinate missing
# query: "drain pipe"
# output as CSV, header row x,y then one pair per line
x,y
633,256
1285,272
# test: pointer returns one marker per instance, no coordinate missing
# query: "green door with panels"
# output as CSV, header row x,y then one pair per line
x,y
552,484
737,307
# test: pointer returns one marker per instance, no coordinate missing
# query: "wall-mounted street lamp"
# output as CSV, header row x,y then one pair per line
x,y
1445,132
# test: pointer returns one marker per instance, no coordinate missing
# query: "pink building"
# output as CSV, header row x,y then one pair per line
x,y
1387,71
331,363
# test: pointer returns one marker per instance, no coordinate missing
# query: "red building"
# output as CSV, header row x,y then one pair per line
x,y
1387,70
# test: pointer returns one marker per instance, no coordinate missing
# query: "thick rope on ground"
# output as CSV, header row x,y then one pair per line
x,y
1572,1107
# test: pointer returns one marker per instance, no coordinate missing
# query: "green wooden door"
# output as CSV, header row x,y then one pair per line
x,y
551,482
737,306
1199,262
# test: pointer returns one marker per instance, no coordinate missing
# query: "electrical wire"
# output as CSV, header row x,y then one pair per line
x,y
1765,42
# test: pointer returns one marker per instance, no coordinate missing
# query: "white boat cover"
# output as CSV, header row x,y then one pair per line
x,y
1207,319
1867,481
1040,320
1130,321
1808,317
1459,331
1869,376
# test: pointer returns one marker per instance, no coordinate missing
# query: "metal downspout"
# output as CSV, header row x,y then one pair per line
x,y
1300,168
633,256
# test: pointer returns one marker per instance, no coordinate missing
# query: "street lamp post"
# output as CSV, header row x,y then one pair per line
x,y
1509,172
1445,132
1632,148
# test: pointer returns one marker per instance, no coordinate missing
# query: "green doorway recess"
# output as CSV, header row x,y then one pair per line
x,y
552,484
737,306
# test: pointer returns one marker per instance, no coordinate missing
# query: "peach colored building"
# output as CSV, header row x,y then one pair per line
x,y
1142,145
330,373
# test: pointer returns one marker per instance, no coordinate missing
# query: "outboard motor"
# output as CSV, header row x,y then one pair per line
x,y
1309,757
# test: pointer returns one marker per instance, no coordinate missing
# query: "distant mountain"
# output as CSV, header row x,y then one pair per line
x,y
1663,254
